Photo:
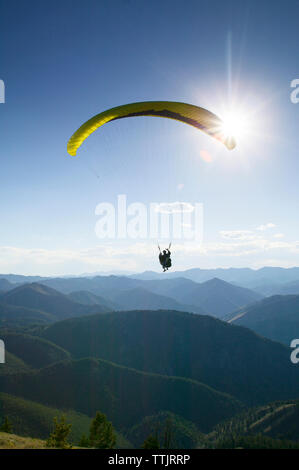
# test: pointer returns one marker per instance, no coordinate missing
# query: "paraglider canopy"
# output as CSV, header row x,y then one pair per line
x,y
195,116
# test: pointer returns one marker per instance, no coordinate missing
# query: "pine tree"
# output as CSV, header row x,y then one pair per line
x,y
6,426
84,441
58,438
101,434
168,435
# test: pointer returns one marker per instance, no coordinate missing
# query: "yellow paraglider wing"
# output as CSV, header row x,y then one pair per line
x,y
193,115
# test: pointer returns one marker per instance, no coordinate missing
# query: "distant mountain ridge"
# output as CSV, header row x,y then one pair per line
x,y
215,297
275,317
286,288
110,293
244,277
219,297
88,298
44,300
5,285
142,299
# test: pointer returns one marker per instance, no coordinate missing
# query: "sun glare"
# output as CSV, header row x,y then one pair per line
x,y
235,125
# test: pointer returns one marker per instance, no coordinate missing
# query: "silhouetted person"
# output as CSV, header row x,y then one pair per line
x,y
165,259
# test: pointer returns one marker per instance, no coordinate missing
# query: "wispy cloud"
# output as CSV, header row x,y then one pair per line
x,y
244,248
174,207
237,234
278,235
264,227
248,245
50,262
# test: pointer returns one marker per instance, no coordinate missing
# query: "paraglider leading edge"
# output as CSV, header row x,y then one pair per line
x,y
195,116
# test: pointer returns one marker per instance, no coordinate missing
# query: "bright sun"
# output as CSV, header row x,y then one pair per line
x,y
234,125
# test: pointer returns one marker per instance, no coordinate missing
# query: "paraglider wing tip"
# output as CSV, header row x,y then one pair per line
x,y
230,143
71,151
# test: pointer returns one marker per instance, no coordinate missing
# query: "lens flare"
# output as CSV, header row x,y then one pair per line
x,y
235,126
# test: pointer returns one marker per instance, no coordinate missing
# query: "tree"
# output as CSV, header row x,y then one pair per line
x,y
58,438
84,441
168,435
151,442
6,426
101,433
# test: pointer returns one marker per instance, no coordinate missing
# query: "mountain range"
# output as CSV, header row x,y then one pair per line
x,y
228,358
244,277
146,351
214,297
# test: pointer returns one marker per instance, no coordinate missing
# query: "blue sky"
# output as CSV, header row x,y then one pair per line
x,y
64,61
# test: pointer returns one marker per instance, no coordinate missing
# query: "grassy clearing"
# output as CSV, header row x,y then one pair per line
x,y
12,441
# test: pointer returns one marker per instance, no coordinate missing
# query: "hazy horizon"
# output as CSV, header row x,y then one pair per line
x,y
132,273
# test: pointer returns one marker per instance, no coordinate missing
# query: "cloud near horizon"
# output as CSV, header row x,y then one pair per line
x,y
137,256
264,227
238,234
